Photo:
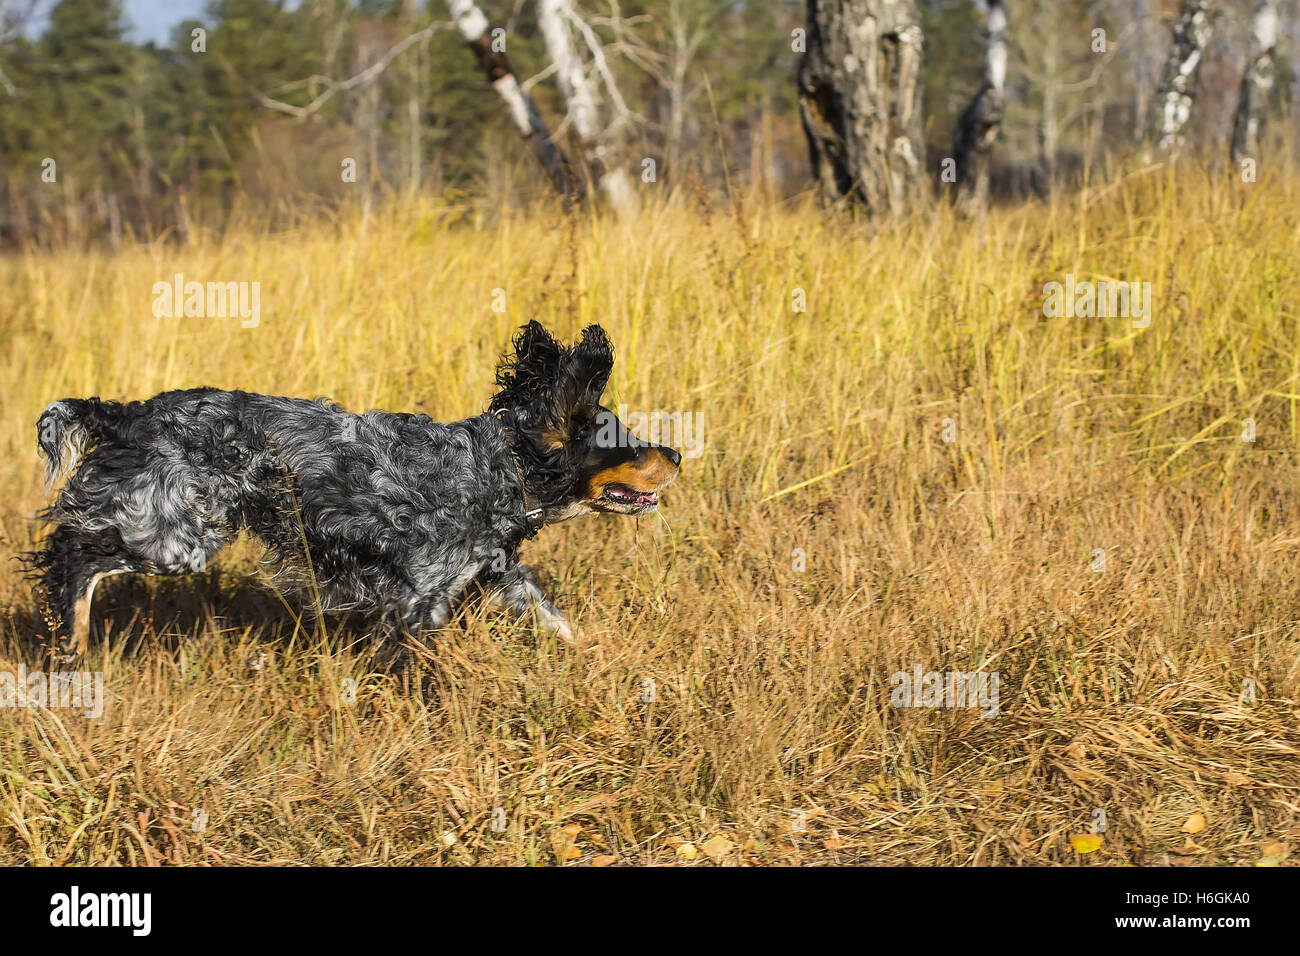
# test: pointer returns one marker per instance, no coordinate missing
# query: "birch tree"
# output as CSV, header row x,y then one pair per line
x,y
559,24
860,101
688,30
978,127
1171,108
414,137
489,52
1256,83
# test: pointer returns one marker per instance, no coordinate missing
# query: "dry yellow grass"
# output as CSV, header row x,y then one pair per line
x,y
1120,689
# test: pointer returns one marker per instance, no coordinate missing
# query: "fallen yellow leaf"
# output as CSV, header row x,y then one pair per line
x,y
568,843
1086,842
687,851
604,860
716,848
1195,823
1273,855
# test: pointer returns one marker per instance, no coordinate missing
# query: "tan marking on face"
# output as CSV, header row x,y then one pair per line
x,y
556,438
645,478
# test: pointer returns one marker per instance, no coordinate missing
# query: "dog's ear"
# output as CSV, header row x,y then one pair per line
x,y
533,344
586,373
546,384
532,368
592,363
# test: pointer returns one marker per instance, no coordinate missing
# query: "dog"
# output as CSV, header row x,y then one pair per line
x,y
390,514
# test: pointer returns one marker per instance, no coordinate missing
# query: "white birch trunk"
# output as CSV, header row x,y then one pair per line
x,y
978,127
1171,108
555,18
1256,83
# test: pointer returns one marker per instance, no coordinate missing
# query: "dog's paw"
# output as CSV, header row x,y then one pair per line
x,y
565,632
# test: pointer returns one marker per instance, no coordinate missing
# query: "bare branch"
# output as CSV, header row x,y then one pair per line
x,y
602,66
333,88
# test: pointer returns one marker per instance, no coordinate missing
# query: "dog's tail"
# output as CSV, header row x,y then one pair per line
x,y
68,427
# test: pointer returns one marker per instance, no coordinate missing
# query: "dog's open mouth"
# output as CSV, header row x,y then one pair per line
x,y
623,498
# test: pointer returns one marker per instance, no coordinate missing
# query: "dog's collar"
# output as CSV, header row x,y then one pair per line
x,y
534,512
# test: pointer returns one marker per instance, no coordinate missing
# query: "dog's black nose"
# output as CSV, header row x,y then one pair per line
x,y
672,455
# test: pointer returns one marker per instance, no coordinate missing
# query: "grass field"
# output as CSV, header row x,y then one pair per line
x,y
827,538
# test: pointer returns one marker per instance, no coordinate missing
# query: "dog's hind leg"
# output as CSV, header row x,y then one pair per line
x,y
71,564
518,592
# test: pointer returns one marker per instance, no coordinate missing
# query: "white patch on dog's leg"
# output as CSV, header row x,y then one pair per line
x,y
524,597
79,640
551,619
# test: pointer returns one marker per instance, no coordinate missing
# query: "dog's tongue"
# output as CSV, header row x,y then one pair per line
x,y
635,497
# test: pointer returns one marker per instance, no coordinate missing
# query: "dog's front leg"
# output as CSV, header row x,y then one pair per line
x,y
519,592
412,620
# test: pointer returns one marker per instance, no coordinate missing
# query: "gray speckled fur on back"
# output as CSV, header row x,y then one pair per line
x,y
398,512
387,513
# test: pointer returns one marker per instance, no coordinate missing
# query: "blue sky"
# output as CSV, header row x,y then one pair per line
x,y
154,19
146,19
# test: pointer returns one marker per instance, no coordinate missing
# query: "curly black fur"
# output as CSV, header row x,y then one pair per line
x,y
393,514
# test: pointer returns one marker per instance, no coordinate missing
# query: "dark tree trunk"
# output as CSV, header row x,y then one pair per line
x,y
1256,83
474,29
1172,106
860,102
980,122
